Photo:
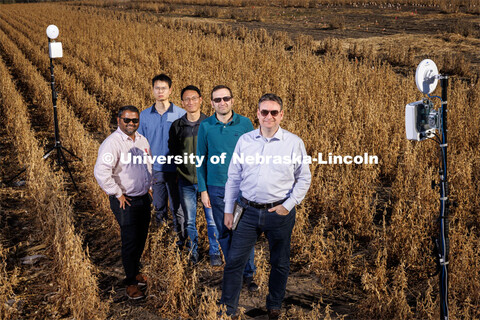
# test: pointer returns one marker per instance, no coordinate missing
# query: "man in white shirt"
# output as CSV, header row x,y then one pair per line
x,y
122,172
268,176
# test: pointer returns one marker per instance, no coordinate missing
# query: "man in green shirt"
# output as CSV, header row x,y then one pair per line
x,y
217,137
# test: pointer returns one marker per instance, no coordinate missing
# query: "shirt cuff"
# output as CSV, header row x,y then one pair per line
x,y
289,204
229,206
201,187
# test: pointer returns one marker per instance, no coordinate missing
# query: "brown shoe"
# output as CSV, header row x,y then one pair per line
x,y
273,313
133,292
141,280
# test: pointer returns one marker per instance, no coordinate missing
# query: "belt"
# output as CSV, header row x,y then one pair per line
x,y
257,205
137,197
131,197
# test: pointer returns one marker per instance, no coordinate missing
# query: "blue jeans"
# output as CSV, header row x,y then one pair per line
x,y
188,199
165,191
224,234
278,231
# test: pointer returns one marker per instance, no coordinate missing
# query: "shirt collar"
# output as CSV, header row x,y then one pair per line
x,y
153,110
234,120
125,137
277,136
185,122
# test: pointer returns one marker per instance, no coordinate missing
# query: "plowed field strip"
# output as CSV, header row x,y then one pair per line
x,y
85,105
78,289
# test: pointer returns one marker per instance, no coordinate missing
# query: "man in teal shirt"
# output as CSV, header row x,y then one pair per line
x,y
217,137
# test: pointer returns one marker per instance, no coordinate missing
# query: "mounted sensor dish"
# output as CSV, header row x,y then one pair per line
x,y
426,76
52,32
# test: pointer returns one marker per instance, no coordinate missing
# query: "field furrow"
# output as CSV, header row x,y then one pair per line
x,y
84,65
51,204
85,105
72,132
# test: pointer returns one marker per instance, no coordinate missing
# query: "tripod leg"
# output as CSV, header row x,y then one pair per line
x,y
67,167
47,154
59,157
71,153
17,175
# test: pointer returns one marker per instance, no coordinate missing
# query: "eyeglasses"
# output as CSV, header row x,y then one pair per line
x,y
127,120
161,89
218,100
193,99
265,113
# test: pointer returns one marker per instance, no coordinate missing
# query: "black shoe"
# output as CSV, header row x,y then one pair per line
x,y
251,285
216,260
194,258
273,313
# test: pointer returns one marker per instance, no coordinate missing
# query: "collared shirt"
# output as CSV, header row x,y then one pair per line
x,y
214,139
273,169
155,128
114,175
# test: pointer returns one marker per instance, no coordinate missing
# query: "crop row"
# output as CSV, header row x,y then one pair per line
x,y
84,104
78,290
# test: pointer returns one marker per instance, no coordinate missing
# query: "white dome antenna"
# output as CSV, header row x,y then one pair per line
x,y
426,76
52,32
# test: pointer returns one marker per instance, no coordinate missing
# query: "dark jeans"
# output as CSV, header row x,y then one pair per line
x,y
133,221
165,191
278,231
189,200
224,234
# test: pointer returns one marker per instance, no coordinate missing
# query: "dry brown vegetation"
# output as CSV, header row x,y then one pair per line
x,y
446,6
8,280
363,234
78,291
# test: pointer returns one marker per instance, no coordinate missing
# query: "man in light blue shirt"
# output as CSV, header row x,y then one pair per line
x,y
155,123
268,175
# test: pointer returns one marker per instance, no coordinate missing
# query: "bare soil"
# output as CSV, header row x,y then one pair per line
x,y
428,30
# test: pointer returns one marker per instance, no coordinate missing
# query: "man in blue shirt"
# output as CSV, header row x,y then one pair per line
x,y
217,137
155,123
268,175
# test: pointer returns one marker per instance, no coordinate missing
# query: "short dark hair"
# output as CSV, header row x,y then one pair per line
x,y
190,87
271,97
127,108
221,86
162,77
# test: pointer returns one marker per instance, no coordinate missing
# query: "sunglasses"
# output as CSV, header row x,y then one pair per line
x,y
265,113
218,100
127,120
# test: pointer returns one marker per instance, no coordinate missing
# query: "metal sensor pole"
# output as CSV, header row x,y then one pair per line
x,y
55,51
443,241
61,159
